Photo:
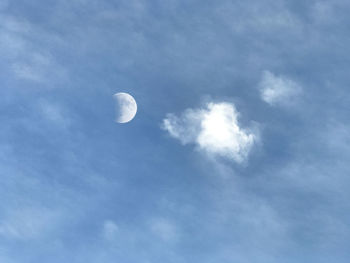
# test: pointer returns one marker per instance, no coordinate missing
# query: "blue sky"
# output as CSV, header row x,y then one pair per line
x,y
238,152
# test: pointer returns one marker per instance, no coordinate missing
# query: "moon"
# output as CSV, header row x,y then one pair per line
x,y
126,107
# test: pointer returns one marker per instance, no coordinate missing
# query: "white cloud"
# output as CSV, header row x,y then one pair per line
x,y
214,129
278,90
110,229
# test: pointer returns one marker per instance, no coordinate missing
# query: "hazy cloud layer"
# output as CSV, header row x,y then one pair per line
x,y
214,129
74,185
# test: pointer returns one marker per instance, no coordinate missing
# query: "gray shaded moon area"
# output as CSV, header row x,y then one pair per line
x,y
125,107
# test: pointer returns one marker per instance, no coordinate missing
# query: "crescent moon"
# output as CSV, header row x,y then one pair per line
x,y
126,107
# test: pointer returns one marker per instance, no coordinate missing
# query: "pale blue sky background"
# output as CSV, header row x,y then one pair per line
x,y
77,187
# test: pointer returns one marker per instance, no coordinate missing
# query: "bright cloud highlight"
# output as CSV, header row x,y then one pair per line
x,y
214,129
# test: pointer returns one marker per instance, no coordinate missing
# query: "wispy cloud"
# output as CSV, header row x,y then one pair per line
x,y
214,129
28,223
26,59
110,230
278,90
164,229
54,113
